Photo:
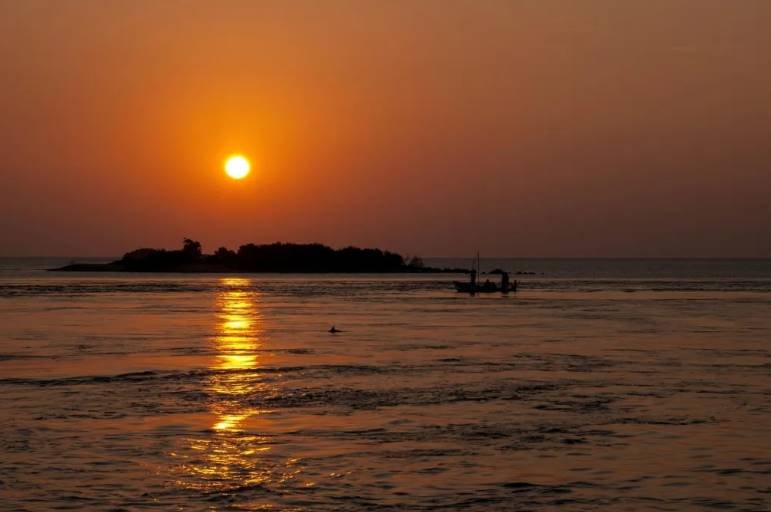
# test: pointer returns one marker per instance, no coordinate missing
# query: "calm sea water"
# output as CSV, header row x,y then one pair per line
x,y
601,385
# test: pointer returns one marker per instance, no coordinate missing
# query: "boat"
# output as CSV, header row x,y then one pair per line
x,y
473,286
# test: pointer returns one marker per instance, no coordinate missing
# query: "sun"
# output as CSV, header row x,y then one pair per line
x,y
237,167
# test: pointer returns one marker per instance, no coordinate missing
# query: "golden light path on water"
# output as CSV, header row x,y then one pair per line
x,y
237,342
233,454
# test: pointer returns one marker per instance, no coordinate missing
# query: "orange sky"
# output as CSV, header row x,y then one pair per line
x,y
523,128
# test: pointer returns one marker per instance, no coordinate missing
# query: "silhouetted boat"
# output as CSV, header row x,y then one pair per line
x,y
473,286
487,287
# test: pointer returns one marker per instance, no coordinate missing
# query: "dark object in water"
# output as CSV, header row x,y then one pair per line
x,y
334,330
473,286
486,287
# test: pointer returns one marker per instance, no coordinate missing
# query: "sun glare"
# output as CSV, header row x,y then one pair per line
x,y
237,167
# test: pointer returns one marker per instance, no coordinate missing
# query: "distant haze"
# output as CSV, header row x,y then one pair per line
x,y
517,128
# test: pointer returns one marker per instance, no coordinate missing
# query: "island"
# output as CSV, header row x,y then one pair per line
x,y
275,257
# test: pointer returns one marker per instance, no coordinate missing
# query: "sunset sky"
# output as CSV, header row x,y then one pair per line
x,y
516,128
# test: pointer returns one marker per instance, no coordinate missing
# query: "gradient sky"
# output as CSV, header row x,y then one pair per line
x,y
522,128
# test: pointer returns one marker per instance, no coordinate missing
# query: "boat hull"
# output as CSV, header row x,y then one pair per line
x,y
463,287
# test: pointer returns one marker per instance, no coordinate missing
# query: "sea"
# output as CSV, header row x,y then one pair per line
x,y
602,384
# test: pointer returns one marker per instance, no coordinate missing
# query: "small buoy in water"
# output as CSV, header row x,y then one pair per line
x,y
334,330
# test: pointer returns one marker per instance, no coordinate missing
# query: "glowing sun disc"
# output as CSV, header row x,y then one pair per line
x,y
237,167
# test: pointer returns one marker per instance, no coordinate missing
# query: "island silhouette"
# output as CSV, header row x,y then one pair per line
x,y
275,257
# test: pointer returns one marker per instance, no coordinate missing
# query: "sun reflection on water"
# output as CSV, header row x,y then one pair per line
x,y
235,453
239,337
231,455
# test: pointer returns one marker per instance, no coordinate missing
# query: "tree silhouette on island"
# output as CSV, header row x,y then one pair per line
x,y
275,257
